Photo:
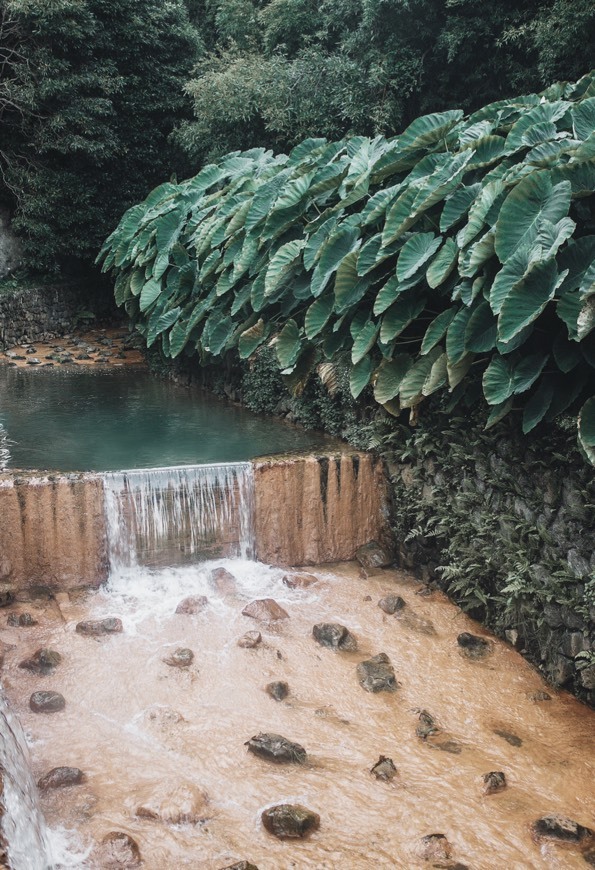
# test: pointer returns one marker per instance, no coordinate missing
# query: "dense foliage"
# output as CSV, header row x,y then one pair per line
x,y
459,255
277,71
90,92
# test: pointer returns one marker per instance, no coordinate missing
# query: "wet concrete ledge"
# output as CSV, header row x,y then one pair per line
x,y
309,509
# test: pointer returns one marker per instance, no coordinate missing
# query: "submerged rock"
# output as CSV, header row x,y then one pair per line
x,y
223,580
391,603
47,702
494,782
240,865
21,620
561,829
181,658
472,646
97,627
384,769
427,725
250,640
511,738
299,581
184,804
276,748
377,674
192,604
334,636
265,609
43,661
538,696
290,821
435,847
60,777
118,850
278,690
373,555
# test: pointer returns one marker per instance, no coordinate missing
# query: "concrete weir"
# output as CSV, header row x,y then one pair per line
x,y
306,510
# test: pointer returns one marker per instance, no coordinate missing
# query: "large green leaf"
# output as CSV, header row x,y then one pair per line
x,y
288,344
282,264
457,205
149,293
252,338
442,264
349,287
527,299
389,376
498,380
437,329
341,243
387,295
533,200
538,405
400,315
412,385
360,375
318,315
364,341
481,329
455,336
415,252
429,129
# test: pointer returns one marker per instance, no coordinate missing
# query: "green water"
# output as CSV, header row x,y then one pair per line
x,y
89,420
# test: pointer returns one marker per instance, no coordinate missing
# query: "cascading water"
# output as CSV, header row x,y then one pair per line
x,y
165,516
4,448
23,825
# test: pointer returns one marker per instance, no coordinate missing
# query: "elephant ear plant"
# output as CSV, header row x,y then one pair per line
x,y
459,254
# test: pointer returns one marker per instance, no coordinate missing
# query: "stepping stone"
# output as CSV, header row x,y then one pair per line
x,y
60,777
278,690
276,748
181,658
377,674
384,769
334,636
265,609
97,627
391,603
43,661
46,702
290,821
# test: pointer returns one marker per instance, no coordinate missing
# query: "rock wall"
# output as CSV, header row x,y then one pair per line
x,y
52,532
10,247
38,314
318,509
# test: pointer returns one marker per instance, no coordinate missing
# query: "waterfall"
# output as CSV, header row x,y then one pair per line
x,y
4,448
23,826
165,516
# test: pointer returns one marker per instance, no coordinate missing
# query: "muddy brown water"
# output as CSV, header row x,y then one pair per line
x,y
147,734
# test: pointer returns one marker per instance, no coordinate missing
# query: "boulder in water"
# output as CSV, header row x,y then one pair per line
x,y
60,777
184,804
192,604
47,702
21,620
278,690
97,627
265,609
512,739
472,646
181,658
334,636
427,725
435,847
223,581
384,769
377,674
561,829
299,581
373,555
250,640
494,782
290,821
391,603
276,748
118,850
43,661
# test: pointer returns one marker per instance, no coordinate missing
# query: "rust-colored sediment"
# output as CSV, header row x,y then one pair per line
x,y
316,509
52,531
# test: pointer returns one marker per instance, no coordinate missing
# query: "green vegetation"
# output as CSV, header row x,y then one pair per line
x,y
457,256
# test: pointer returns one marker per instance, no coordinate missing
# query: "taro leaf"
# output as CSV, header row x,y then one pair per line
x,y
487,196
481,330
498,413
167,229
122,288
364,341
318,314
360,375
585,321
527,299
498,380
166,320
400,315
220,334
389,376
438,376
586,429
457,205
137,282
442,264
581,177
437,329
566,393
531,201
335,249
411,388
527,370
377,205
457,371
415,252
288,344
281,265
429,129
538,405
587,287
315,243
257,297
567,354
476,255
252,338
509,275
387,295
486,150
368,254
455,336
441,182
349,287
583,118
577,257
399,217
149,293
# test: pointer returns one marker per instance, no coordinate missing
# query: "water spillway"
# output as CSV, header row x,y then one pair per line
x,y
181,514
